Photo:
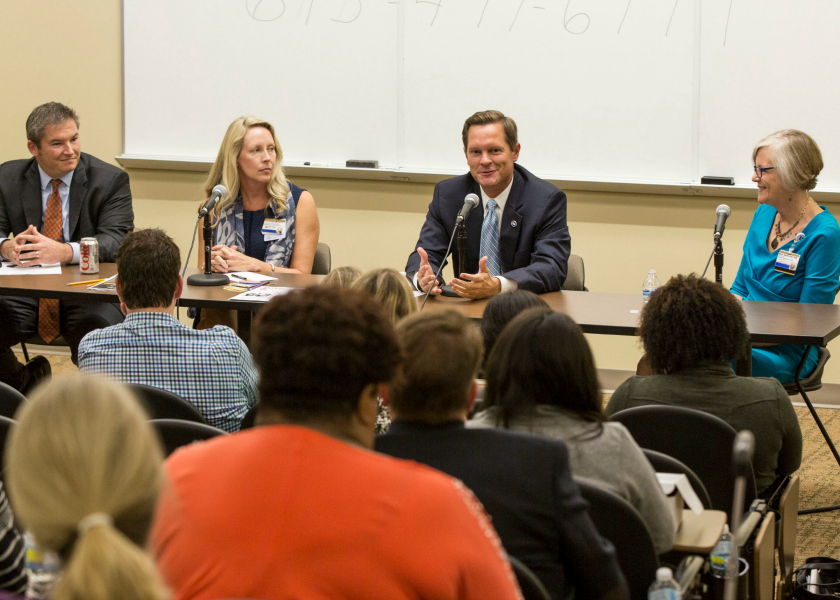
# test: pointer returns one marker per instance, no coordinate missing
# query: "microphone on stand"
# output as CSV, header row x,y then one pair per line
x,y
723,213
470,202
208,277
742,453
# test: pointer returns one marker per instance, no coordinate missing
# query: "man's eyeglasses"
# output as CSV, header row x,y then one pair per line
x,y
761,171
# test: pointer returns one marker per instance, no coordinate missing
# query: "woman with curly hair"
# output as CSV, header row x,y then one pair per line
x,y
691,328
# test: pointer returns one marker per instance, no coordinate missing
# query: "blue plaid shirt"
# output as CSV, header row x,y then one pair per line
x,y
210,368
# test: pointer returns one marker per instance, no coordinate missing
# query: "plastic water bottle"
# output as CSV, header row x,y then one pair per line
x,y
42,567
664,588
720,554
650,285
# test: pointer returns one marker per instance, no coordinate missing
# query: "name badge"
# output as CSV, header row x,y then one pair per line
x,y
274,229
787,262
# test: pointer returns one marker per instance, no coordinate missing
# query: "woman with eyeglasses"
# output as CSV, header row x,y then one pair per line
x,y
792,250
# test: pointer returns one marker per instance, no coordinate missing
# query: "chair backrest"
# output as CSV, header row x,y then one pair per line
x,y
175,433
788,511
532,588
10,400
763,577
622,525
700,440
575,275
662,463
323,260
5,428
163,404
249,418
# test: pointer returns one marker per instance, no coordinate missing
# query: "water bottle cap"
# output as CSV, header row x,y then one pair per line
x,y
652,271
726,528
664,574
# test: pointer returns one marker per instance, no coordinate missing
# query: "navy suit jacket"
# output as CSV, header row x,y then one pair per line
x,y
525,484
534,240
100,202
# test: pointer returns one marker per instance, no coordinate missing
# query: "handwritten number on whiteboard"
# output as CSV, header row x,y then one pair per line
x,y
626,10
435,3
725,31
672,17
356,16
567,21
516,16
269,12
482,12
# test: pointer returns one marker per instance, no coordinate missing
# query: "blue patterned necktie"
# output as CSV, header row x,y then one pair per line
x,y
489,246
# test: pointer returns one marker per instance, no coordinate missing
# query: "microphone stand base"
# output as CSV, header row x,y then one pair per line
x,y
446,290
207,279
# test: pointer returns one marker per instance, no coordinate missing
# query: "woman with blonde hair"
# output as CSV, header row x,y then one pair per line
x,y
84,469
392,291
264,224
342,277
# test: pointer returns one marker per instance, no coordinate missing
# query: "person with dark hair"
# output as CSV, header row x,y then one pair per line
x,y
210,368
517,236
500,310
50,202
690,329
299,507
524,482
541,379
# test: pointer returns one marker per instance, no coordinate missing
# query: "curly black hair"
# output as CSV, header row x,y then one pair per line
x,y
319,348
689,321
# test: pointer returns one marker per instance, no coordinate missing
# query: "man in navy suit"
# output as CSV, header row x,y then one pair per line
x,y
524,482
67,194
520,241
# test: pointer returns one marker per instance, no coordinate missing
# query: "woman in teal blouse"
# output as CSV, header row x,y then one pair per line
x,y
786,166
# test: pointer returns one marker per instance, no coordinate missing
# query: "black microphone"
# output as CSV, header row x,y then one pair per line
x,y
470,202
218,192
722,214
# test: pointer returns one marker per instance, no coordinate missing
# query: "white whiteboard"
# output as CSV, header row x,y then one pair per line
x,y
617,90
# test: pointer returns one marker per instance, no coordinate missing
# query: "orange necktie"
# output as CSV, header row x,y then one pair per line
x,y
48,327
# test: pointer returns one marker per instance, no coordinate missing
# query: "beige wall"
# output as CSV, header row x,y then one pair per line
x,y
367,224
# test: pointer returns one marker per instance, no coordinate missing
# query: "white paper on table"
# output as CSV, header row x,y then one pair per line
x,y
418,293
669,481
108,285
250,277
262,294
7,268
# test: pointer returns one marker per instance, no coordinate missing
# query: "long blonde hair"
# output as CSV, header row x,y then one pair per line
x,y
83,446
225,169
391,289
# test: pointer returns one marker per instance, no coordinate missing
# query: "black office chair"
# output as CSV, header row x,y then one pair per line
x,y
175,433
662,463
322,263
532,588
814,381
163,404
622,525
249,418
10,401
700,440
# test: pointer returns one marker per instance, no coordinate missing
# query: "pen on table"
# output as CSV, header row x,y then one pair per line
x,y
84,282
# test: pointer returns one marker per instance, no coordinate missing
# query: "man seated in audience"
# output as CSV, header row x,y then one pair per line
x,y
211,368
524,482
299,507
690,329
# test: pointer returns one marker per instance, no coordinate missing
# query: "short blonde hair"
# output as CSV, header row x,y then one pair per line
x,y
796,156
225,169
342,277
391,289
83,445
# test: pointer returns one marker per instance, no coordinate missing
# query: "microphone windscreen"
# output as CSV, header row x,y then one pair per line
x,y
472,199
219,191
742,451
723,209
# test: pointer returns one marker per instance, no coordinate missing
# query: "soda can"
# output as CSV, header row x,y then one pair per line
x,y
89,255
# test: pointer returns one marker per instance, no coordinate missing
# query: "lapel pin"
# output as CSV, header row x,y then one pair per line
x,y
513,223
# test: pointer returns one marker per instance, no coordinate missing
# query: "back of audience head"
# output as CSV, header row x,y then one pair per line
x,y
148,269
542,358
501,309
391,289
690,321
84,469
443,351
322,354
342,277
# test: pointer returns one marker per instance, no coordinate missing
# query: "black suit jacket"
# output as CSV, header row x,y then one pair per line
x,y
100,202
526,485
534,240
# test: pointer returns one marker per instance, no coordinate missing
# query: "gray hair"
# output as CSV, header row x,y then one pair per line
x,y
796,156
51,113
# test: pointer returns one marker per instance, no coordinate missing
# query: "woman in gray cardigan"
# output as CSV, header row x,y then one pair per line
x,y
541,379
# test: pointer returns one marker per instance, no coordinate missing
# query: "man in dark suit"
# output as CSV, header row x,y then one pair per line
x,y
50,202
524,482
516,238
